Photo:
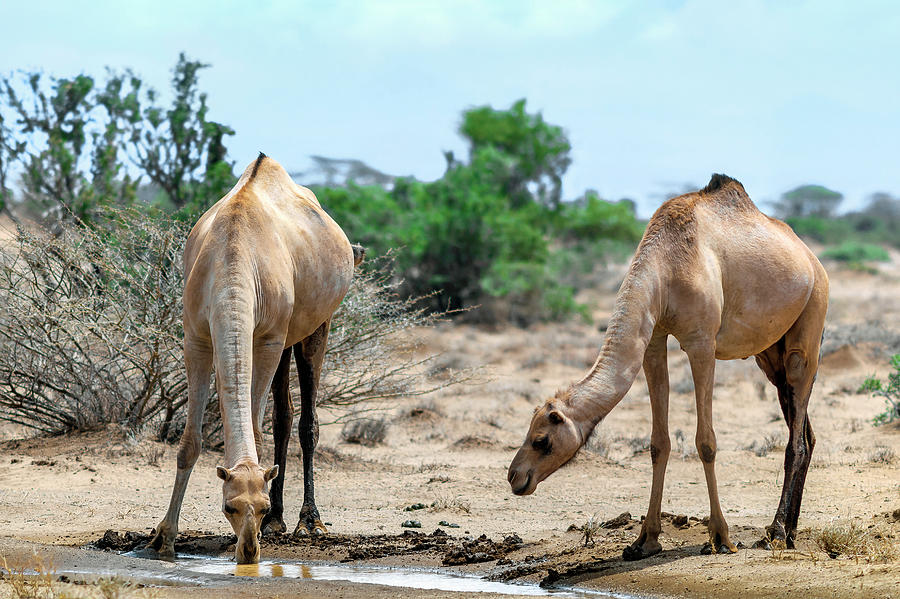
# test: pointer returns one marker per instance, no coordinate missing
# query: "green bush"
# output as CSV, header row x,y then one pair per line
x,y
856,252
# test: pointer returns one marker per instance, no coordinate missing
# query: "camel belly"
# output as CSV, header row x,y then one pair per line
x,y
756,323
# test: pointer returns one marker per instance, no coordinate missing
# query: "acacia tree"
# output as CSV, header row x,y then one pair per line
x,y
72,139
808,200
179,148
69,163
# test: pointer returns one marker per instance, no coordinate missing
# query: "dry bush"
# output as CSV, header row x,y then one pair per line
x,y
853,540
91,333
376,352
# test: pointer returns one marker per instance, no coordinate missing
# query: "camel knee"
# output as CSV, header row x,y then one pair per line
x,y
659,450
309,435
796,369
706,447
188,450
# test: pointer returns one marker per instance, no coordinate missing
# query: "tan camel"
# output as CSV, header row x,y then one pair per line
x,y
265,268
728,283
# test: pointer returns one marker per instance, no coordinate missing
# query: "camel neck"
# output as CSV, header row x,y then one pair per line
x,y
240,444
638,307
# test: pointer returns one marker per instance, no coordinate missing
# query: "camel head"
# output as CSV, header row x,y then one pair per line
x,y
245,501
553,439
359,254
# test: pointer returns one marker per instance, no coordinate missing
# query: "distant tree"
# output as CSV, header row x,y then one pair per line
x,y
337,172
536,152
179,148
808,200
9,152
884,206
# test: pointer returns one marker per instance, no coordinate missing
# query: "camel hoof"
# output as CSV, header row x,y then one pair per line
x,y
633,553
723,549
161,544
273,526
307,529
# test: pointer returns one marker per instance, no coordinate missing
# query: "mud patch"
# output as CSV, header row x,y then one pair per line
x,y
344,548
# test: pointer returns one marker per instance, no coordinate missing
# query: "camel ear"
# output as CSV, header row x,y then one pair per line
x,y
271,473
223,473
555,417
359,253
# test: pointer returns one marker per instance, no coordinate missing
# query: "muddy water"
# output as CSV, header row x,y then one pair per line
x,y
394,577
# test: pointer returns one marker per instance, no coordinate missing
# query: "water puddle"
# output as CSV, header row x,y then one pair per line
x,y
382,575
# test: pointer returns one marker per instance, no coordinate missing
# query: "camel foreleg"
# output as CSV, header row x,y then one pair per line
x,y
703,366
198,364
309,355
657,373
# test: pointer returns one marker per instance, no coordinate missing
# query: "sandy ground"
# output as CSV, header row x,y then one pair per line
x,y
450,451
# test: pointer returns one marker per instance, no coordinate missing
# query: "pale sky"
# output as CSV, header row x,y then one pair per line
x,y
653,95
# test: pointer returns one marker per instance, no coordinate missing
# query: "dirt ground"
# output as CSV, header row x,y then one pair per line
x,y
449,451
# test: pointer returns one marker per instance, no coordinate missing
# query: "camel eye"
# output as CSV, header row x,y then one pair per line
x,y
264,511
541,444
229,509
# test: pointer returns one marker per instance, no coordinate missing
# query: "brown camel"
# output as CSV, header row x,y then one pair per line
x,y
728,283
265,268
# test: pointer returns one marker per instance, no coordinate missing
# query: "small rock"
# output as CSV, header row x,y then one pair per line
x,y
680,521
618,522
448,524
414,507
512,539
411,524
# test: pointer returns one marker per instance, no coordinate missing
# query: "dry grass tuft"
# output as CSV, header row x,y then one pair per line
x,y
852,540
368,432
883,455
37,579
452,504
769,442
590,529
31,581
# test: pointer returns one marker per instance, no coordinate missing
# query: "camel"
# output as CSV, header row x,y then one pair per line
x,y
728,283
265,268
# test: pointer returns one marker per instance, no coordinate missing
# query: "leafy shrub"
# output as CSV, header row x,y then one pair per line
x,y
889,390
481,234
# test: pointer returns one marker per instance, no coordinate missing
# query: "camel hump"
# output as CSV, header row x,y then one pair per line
x,y
719,181
256,165
727,192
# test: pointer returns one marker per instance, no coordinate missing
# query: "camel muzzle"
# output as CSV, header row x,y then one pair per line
x,y
525,488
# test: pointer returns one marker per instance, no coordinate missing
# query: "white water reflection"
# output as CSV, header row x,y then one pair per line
x,y
394,577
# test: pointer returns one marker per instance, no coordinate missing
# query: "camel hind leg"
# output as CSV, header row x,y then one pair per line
x,y
282,421
309,355
791,366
